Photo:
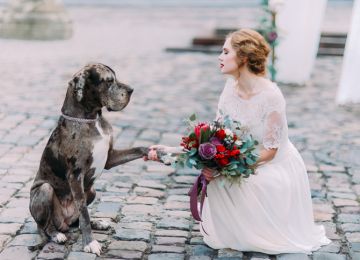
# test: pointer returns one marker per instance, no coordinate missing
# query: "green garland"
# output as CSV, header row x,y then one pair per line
x,y
269,31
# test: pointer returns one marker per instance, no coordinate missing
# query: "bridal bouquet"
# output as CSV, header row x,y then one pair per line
x,y
223,146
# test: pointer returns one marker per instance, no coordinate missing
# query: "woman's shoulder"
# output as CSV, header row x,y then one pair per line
x,y
274,96
272,90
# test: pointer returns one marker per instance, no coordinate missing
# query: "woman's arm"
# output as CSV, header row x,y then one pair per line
x,y
266,156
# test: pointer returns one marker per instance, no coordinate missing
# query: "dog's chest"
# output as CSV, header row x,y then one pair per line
x,y
100,151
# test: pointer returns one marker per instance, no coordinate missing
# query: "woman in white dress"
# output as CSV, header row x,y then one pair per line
x,y
271,211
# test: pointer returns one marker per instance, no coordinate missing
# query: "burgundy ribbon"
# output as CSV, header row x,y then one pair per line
x,y
199,188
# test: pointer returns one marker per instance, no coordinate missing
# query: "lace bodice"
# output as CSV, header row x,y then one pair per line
x,y
263,115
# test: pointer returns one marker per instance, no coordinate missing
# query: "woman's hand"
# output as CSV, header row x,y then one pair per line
x,y
266,156
152,156
153,152
209,174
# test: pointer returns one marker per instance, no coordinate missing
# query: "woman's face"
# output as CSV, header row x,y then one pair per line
x,y
228,60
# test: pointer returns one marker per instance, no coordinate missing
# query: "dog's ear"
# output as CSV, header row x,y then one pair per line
x,y
78,84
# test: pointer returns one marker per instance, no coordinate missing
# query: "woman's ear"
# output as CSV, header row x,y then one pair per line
x,y
244,61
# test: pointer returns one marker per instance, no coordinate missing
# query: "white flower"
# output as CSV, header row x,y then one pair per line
x,y
275,5
228,132
238,142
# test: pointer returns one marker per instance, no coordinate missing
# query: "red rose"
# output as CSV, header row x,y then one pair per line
x,y
220,148
199,127
223,162
219,156
227,153
234,153
220,134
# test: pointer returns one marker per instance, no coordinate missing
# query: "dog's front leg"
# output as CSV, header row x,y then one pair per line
x,y
117,157
77,189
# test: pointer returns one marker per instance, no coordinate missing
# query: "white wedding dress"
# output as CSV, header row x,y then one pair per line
x,y
271,211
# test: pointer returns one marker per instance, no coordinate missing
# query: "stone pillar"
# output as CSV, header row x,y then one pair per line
x,y
299,24
35,20
349,86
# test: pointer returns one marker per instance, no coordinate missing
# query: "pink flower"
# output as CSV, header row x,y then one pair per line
x,y
272,36
215,141
207,151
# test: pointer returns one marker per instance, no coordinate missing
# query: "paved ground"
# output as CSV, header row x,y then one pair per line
x,y
146,203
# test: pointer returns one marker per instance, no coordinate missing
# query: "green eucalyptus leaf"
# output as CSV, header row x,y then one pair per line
x,y
192,161
241,169
200,165
192,152
188,164
192,136
233,167
197,167
243,149
232,173
249,161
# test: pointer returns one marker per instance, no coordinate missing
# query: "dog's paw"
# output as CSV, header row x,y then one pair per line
x,y
59,238
100,224
93,247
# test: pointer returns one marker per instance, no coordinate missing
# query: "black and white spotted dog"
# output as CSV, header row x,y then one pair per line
x,y
79,148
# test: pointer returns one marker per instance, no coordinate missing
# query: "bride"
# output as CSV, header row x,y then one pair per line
x,y
271,211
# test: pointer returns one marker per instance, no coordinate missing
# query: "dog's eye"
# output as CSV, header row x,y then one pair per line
x,y
109,81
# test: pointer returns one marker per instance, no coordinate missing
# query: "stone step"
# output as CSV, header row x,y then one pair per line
x,y
333,34
330,52
200,49
332,42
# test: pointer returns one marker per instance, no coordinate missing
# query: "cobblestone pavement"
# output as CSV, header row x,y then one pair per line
x,y
146,203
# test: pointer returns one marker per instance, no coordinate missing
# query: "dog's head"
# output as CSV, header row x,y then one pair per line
x,y
96,86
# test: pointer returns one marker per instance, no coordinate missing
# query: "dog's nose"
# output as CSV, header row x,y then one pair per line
x,y
130,90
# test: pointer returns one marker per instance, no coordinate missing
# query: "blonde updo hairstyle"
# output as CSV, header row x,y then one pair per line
x,y
251,49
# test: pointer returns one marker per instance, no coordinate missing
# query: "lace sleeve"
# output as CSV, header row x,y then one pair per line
x,y
274,122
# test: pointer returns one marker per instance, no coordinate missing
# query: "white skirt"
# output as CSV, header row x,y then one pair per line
x,y
270,212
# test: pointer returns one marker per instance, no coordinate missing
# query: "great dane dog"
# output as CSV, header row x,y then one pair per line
x,y
79,148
